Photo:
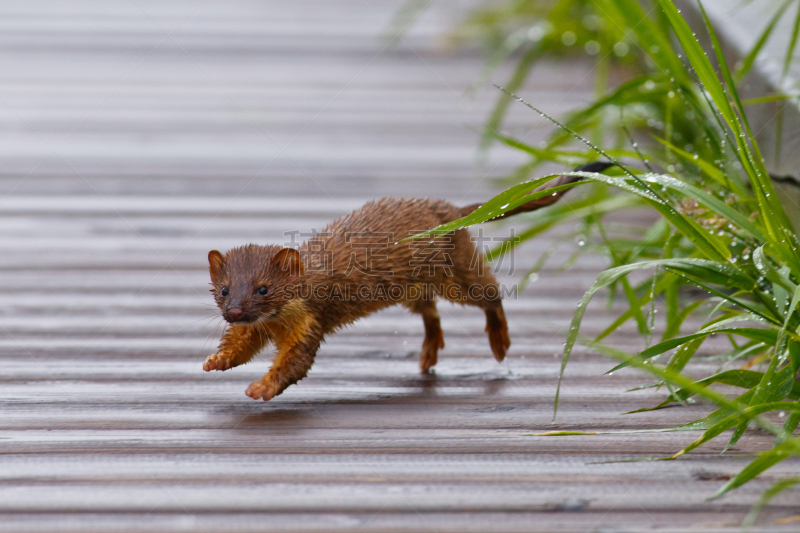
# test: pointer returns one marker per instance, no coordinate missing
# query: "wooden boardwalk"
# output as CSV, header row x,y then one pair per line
x,y
136,136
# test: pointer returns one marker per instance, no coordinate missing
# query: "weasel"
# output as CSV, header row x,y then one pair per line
x,y
355,266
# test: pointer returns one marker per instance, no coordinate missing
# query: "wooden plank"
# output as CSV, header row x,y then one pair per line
x,y
258,118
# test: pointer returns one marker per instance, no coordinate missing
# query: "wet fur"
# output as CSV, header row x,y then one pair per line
x,y
296,320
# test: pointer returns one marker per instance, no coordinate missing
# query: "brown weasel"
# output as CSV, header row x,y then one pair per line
x,y
355,266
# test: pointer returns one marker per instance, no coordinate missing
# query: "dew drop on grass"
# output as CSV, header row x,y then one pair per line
x,y
536,33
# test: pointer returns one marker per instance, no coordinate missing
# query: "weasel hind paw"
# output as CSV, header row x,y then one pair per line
x,y
499,341
216,362
430,352
260,390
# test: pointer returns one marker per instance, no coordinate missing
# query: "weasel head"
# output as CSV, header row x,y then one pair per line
x,y
249,283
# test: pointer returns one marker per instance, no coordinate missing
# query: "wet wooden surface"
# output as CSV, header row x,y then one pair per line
x,y
134,137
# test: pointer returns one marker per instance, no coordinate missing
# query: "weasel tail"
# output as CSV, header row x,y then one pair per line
x,y
533,205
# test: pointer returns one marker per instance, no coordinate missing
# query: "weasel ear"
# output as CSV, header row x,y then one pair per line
x,y
216,264
288,260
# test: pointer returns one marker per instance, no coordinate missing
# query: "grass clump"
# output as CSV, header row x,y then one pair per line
x,y
722,228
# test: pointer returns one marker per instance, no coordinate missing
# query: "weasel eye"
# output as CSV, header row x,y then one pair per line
x,y
224,291
262,290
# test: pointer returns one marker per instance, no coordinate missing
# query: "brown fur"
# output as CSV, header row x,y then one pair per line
x,y
302,306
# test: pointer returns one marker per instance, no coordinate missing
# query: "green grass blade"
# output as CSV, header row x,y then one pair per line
x,y
519,76
722,274
764,461
761,335
770,98
712,171
631,15
787,60
628,93
778,225
729,422
776,221
728,406
700,63
565,157
709,244
684,354
766,497
794,355
718,206
496,206
764,267
789,427
675,322
749,59
746,379
563,213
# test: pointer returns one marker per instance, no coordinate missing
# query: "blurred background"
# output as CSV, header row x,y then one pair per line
x,y
137,135
136,96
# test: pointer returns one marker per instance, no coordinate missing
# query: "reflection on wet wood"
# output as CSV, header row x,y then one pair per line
x,y
127,154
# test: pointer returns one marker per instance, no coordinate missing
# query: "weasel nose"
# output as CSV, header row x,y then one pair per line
x,y
235,313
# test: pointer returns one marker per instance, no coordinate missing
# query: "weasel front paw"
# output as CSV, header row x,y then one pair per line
x,y
216,362
262,390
